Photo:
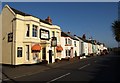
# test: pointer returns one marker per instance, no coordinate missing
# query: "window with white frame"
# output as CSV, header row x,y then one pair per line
x,y
19,51
58,37
69,41
65,40
75,43
34,31
27,30
68,52
53,33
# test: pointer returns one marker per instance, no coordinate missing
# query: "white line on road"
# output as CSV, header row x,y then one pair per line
x,y
58,77
84,66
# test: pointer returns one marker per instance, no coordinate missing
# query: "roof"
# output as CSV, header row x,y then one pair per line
x,y
65,34
79,37
25,14
85,40
19,12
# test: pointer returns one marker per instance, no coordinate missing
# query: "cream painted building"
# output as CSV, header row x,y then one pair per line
x,y
26,39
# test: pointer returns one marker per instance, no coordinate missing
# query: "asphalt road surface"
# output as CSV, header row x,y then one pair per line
x,y
93,69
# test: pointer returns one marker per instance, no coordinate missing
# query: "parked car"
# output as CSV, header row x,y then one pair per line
x,y
105,51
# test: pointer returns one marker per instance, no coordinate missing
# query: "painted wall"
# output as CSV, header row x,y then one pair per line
x,y
7,52
85,48
90,48
0,38
75,48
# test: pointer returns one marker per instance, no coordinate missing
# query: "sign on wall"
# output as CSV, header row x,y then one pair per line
x,y
44,34
10,37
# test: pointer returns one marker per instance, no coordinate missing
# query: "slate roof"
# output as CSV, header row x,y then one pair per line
x,y
25,14
19,12
65,34
88,41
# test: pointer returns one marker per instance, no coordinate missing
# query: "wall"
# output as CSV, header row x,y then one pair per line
x,y
7,52
0,38
63,54
85,45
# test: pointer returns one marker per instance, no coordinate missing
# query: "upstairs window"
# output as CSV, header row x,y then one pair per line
x,y
27,30
58,37
53,33
75,43
69,42
65,40
34,31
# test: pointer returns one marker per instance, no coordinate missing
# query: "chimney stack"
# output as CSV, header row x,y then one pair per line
x,y
48,19
84,36
68,32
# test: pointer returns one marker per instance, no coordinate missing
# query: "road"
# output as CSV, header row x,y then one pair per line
x,y
93,69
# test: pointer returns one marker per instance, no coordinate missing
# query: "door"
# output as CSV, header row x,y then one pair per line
x,y
44,53
50,56
27,53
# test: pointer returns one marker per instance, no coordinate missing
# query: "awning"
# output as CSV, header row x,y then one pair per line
x,y
36,48
59,48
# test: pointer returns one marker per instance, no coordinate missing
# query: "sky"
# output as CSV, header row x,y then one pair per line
x,y
91,18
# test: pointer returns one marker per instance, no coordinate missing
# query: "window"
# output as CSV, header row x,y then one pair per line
x,y
69,42
58,37
19,51
34,31
68,52
27,30
53,33
75,43
65,40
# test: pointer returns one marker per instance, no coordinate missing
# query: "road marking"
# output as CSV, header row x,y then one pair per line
x,y
59,77
84,66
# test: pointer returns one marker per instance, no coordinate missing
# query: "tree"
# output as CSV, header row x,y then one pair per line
x,y
116,31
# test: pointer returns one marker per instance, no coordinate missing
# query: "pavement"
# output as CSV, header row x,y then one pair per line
x,y
10,72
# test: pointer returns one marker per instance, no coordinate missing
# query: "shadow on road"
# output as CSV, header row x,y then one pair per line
x,y
108,69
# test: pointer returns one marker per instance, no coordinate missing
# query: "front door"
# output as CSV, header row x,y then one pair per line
x,y
27,53
44,53
50,56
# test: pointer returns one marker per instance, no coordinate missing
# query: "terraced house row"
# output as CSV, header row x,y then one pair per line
x,y
27,39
